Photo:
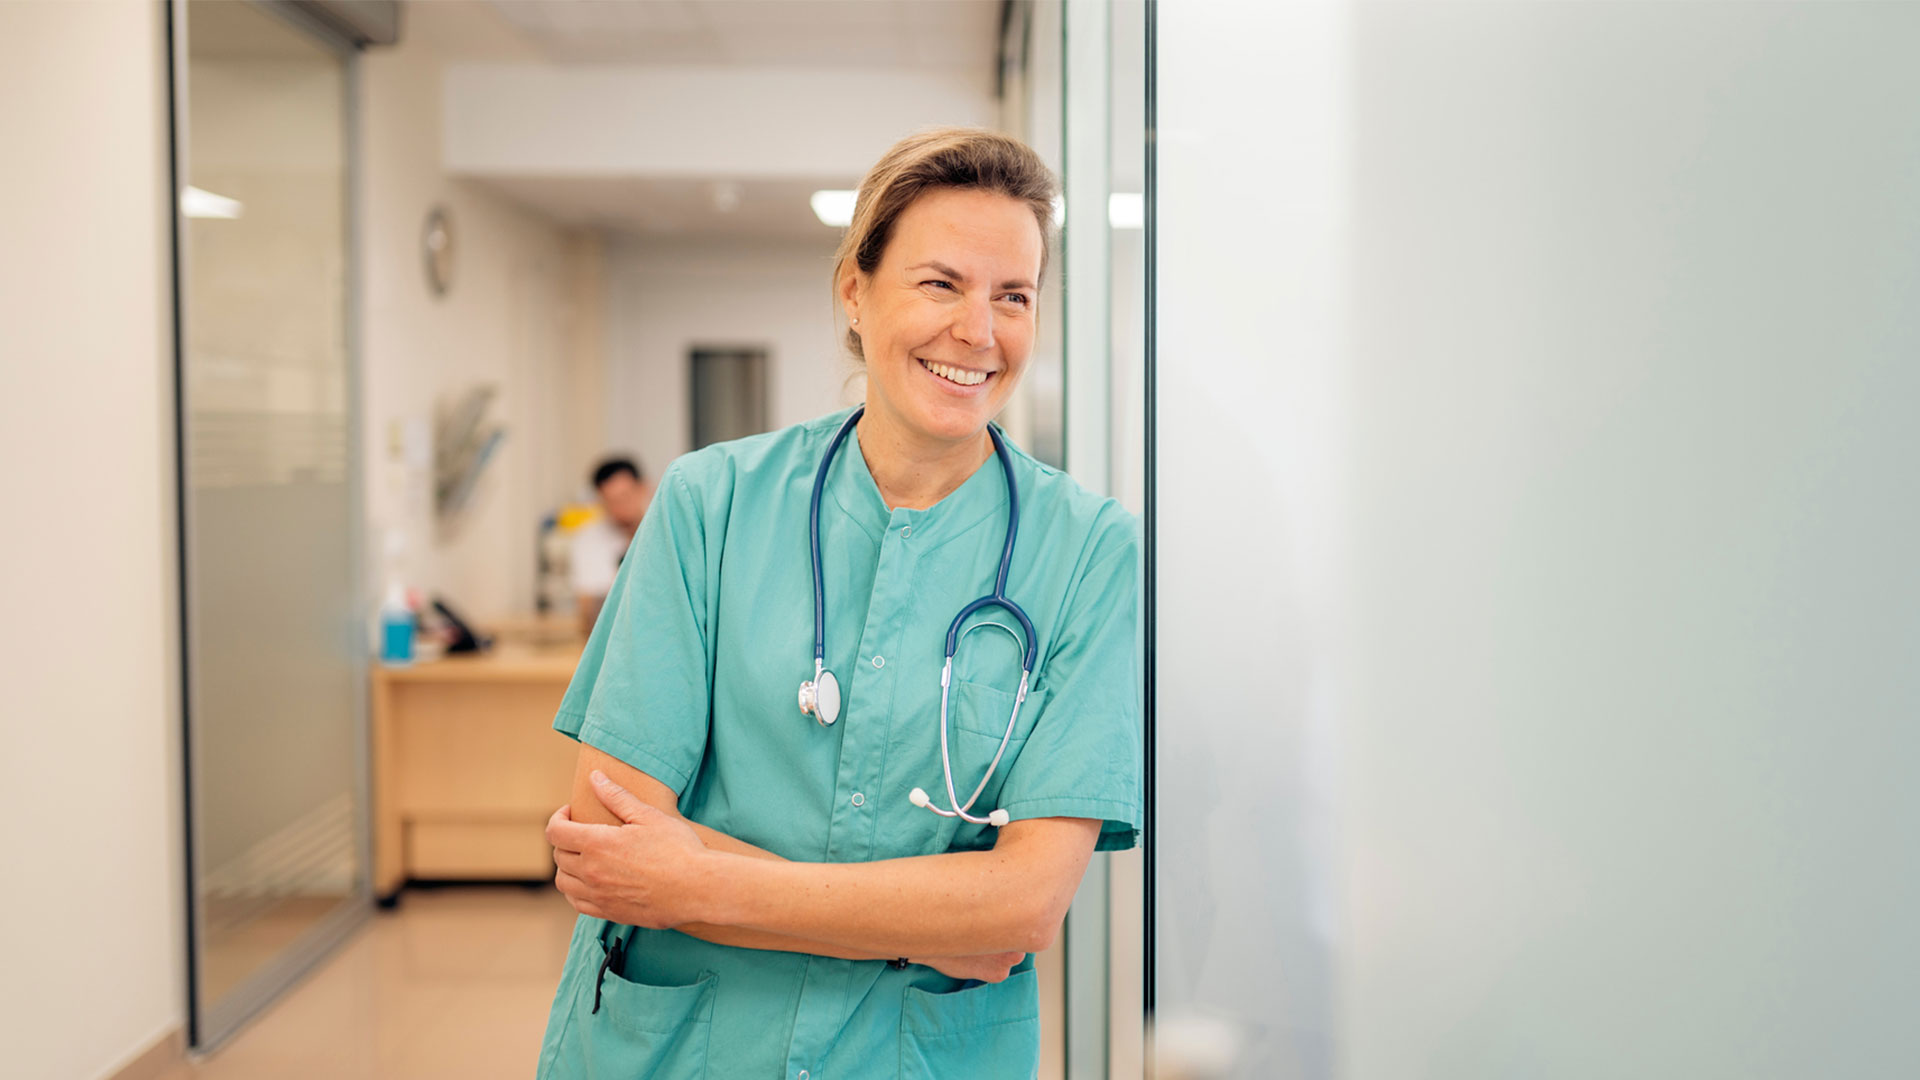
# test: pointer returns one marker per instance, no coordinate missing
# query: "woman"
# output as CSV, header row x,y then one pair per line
x,y
760,893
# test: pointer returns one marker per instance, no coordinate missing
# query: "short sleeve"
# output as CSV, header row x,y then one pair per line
x,y
1083,757
641,691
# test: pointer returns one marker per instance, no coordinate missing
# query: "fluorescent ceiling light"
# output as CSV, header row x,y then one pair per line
x,y
1125,210
834,207
197,203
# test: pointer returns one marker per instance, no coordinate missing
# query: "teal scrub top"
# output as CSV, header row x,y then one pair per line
x,y
690,676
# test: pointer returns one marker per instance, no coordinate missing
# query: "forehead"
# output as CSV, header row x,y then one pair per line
x,y
976,232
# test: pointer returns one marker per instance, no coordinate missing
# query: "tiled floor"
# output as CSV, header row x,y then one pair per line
x,y
240,939
455,983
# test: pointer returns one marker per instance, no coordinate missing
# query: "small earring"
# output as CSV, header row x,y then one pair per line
x,y
855,322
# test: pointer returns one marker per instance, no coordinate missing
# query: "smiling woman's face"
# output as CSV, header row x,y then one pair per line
x,y
947,318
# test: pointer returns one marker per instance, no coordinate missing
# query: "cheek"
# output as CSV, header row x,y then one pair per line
x,y
1016,343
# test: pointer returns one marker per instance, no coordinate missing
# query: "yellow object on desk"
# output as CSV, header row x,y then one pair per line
x,y
467,767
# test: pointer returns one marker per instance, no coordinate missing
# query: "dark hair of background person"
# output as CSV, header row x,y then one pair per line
x,y
613,467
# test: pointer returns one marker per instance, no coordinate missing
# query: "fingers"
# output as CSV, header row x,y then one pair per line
x,y
572,863
577,894
566,834
625,804
573,887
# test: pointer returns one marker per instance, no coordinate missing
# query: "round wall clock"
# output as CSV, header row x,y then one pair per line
x,y
436,249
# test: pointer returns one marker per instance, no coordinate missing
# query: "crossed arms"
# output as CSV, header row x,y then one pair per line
x,y
624,853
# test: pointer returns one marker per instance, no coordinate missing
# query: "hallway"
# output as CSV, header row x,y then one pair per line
x,y
453,984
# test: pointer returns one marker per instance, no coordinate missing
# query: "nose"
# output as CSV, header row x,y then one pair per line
x,y
973,323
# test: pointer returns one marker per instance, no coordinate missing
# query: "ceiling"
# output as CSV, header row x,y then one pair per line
x,y
946,35
763,209
958,34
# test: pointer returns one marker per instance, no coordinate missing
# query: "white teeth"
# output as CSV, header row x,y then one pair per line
x,y
954,374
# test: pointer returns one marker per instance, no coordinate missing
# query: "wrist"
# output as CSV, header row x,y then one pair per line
x,y
715,893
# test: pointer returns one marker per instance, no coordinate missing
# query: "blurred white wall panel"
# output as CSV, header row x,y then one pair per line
x,y
1250,457
1537,607
87,566
736,121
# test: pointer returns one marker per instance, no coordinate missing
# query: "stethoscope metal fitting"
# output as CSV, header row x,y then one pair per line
x,y
820,695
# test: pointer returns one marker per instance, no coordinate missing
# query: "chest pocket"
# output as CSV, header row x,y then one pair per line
x,y
984,709
977,718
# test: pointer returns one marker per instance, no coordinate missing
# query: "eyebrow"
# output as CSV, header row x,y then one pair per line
x,y
960,277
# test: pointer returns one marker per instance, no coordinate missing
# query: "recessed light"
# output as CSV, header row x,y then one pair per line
x,y
198,203
834,207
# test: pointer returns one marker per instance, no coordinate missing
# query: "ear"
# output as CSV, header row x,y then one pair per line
x,y
851,287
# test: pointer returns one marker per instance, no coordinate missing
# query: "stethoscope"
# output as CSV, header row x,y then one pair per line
x,y
820,696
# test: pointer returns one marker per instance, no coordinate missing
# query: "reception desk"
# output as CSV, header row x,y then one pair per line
x,y
467,767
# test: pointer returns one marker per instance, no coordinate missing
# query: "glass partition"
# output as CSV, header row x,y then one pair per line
x,y
1537,612
273,649
1104,447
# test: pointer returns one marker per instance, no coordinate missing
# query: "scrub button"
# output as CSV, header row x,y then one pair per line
x,y
879,661
802,1076
859,799
906,532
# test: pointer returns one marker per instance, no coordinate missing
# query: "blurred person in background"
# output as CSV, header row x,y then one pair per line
x,y
599,545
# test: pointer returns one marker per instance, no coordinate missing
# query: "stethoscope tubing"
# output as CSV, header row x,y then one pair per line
x,y
998,598
813,537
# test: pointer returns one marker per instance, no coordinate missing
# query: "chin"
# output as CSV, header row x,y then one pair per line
x,y
953,421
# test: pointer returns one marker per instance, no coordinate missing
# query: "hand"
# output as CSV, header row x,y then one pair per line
x,y
992,967
652,871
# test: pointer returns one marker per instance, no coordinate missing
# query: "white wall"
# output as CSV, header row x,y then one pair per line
x,y
91,923
1537,687
663,298
523,314
661,120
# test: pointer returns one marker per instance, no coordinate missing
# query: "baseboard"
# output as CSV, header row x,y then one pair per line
x,y
155,1061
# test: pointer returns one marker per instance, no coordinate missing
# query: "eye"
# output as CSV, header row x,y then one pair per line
x,y
943,283
1020,298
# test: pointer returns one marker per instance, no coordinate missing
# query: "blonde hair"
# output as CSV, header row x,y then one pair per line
x,y
973,159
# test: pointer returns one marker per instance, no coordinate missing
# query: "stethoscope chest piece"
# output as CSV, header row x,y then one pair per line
x,y
820,697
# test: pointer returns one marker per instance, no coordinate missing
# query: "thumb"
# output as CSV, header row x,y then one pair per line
x,y
622,802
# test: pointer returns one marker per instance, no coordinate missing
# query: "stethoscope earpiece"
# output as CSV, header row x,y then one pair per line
x,y
820,695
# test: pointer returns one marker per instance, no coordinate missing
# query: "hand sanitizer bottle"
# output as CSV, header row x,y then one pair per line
x,y
396,627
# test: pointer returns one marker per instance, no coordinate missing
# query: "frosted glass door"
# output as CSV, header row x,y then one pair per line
x,y
273,655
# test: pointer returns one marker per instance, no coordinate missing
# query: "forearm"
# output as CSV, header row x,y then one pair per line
x,y
957,904
659,795
966,904
743,938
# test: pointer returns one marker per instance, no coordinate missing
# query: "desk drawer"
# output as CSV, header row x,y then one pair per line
x,y
464,849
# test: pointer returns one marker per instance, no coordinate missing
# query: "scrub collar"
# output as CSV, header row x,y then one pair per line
x,y
981,496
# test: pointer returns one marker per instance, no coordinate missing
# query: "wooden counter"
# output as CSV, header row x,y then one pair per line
x,y
467,766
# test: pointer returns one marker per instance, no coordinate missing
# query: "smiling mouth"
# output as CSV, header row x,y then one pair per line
x,y
956,375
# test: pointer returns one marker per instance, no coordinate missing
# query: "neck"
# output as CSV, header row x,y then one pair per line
x,y
912,471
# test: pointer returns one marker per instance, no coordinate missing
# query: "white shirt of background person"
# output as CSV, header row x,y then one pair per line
x,y
599,546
